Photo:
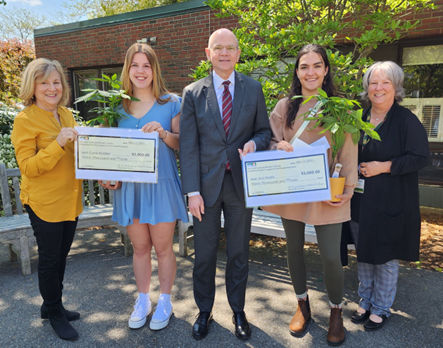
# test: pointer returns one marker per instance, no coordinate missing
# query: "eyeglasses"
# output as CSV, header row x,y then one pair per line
x,y
219,48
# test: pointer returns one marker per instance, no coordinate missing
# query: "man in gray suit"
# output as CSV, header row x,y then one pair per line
x,y
223,116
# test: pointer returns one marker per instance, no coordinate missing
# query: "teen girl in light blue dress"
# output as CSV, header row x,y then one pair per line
x,y
149,211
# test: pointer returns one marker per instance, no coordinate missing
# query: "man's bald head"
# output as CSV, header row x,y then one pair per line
x,y
223,52
221,32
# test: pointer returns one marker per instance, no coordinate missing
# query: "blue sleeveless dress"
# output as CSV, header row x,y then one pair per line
x,y
152,203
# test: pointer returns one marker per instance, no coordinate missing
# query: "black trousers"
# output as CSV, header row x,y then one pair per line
x,y
237,229
54,240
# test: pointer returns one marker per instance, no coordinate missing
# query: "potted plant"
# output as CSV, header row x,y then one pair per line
x,y
339,116
108,101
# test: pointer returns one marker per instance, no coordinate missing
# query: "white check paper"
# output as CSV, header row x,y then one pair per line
x,y
280,177
116,154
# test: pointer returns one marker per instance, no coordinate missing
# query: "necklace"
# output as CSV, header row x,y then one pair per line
x,y
377,118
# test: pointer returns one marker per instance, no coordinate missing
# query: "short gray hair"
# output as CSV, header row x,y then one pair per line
x,y
392,72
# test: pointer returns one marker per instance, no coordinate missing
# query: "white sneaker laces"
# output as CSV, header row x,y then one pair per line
x,y
163,310
140,309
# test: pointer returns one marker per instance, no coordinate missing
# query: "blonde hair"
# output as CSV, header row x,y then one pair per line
x,y
158,86
38,71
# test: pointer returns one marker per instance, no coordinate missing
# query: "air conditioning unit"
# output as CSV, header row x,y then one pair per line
x,y
430,112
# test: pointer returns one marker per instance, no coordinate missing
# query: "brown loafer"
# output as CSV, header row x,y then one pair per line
x,y
301,319
336,333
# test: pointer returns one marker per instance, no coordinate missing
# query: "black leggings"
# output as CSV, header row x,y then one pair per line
x,y
328,237
54,241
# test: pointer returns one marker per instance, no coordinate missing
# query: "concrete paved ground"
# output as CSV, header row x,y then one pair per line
x,y
100,284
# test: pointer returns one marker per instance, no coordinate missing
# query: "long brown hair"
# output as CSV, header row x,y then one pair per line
x,y
158,86
328,85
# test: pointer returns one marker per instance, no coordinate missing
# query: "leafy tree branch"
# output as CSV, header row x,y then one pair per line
x,y
271,33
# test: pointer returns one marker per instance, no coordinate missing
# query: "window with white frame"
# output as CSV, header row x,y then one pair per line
x,y
423,68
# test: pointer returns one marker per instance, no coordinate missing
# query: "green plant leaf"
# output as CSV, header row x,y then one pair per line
x,y
355,138
350,129
105,93
328,119
86,97
106,77
341,138
322,93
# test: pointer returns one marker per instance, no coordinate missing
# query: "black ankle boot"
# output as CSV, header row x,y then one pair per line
x,y
60,324
70,315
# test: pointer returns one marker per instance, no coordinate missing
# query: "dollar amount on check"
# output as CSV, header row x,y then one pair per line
x,y
286,175
116,154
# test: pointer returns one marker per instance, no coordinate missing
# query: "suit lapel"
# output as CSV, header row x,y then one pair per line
x,y
211,99
238,99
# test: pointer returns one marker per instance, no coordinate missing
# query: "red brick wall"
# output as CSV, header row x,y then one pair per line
x,y
180,44
431,24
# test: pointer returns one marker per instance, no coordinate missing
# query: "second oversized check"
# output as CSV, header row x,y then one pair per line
x,y
279,177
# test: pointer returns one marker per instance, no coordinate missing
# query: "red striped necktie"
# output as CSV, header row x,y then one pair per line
x,y
226,112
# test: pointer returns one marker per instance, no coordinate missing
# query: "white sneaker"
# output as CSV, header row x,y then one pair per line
x,y
162,314
142,309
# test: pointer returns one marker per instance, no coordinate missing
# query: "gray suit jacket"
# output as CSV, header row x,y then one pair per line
x,y
204,148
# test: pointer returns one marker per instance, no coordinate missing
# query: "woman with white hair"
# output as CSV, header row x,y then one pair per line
x,y
385,222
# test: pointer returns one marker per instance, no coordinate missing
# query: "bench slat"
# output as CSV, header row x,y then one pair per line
x,y
91,192
83,193
111,196
18,202
4,190
13,172
101,191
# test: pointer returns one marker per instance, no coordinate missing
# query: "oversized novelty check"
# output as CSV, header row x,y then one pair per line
x,y
116,154
280,177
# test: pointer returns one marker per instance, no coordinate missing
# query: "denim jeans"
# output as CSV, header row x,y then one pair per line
x,y
54,241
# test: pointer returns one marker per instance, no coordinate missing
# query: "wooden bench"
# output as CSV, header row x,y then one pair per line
x,y
16,231
262,223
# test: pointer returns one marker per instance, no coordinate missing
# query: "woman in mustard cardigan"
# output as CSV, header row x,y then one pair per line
x,y
43,137
312,71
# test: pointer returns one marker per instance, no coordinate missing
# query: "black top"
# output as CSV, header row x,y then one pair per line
x,y
388,212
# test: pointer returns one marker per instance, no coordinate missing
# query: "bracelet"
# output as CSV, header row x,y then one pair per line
x,y
165,135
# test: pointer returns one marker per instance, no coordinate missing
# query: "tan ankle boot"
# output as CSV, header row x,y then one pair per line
x,y
301,319
336,333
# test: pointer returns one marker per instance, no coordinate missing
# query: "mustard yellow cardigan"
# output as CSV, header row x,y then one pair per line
x,y
48,184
